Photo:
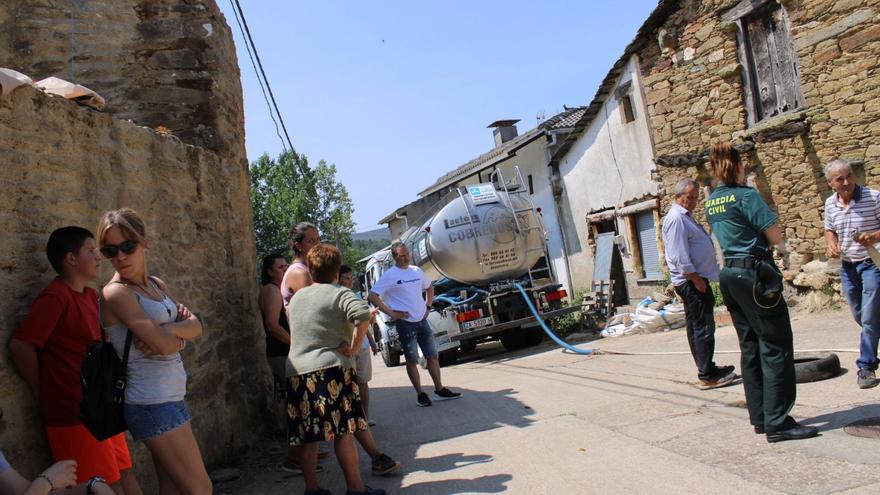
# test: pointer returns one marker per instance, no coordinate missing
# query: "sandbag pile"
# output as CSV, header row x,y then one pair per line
x,y
653,314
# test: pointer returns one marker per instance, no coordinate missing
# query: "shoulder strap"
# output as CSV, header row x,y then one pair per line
x,y
159,288
128,336
122,376
126,351
101,314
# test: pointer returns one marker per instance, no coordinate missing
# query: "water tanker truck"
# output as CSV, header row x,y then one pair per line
x,y
476,245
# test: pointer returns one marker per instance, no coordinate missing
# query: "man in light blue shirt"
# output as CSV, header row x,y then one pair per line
x,y
690,257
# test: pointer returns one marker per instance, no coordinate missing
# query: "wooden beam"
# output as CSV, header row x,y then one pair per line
x,y
697,157
661,248
742,9
785,131
632,237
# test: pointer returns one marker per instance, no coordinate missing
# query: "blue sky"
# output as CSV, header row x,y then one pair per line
x,y
397,93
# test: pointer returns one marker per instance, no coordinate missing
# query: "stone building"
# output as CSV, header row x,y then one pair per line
x,y
157,63
793,83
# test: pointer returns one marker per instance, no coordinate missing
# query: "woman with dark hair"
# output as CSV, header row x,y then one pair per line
x,y
751,285
139,305
274,319
303,237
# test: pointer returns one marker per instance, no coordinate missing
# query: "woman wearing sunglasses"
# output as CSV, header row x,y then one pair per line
x,y
154,408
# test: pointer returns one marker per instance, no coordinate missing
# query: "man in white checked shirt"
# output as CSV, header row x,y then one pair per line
x,y
853,207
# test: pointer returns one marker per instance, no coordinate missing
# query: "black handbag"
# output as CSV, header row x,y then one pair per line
x,y
103,378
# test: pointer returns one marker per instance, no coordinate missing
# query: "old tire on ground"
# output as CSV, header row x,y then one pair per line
x,y
468,345
390,356
514,339
811,367
448,358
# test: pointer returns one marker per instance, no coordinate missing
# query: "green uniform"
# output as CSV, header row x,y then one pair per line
x,y
739,216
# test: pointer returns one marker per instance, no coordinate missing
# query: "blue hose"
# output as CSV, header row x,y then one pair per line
x,y
586,352
455,301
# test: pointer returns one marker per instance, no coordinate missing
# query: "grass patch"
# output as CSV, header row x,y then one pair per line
x,y
716,291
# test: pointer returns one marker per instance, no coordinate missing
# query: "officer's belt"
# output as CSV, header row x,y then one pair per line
x,y
747,263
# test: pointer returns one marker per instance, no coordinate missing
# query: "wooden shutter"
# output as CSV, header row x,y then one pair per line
x,y
772,63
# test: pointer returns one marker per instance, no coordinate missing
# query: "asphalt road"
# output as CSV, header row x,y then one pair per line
x,y
543,421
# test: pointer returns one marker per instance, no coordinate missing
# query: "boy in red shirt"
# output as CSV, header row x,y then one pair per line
x,y
48,349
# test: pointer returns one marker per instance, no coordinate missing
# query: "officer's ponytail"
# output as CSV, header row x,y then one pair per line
x,y
725,162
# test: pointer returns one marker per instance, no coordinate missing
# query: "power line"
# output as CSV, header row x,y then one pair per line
x,y
257,73
263,72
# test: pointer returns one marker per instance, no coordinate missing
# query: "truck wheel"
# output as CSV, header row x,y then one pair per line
x,y
514,339
534,336
448,358
468,345
391,357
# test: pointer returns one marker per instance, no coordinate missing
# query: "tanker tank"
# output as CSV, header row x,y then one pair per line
x,y
474,238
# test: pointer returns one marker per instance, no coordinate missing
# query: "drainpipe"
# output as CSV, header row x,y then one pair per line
x,y
556,187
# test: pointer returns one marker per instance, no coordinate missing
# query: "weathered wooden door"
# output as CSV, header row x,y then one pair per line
x,y
772,63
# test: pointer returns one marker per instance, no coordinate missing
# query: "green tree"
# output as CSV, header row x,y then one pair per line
x,y
287,190
334,211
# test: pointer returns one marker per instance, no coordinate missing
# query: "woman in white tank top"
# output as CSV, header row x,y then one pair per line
x,y
155,410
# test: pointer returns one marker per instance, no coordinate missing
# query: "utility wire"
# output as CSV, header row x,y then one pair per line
x,y
263,72
257,73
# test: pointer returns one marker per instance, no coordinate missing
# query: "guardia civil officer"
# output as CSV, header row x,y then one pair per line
x,y
751,286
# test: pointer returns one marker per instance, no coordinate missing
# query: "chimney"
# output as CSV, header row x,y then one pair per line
x,y
504,131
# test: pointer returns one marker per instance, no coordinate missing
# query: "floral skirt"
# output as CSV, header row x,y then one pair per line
x,y
323,404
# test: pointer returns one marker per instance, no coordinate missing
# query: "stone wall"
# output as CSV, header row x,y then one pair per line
x,y
167,63
694,94
64,164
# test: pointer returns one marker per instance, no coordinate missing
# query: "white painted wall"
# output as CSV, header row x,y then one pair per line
x,y
532,160
608,165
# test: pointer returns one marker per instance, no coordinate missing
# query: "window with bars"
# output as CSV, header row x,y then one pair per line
x,y
771,76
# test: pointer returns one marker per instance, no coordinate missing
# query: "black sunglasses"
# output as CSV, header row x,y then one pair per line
x,y
111,250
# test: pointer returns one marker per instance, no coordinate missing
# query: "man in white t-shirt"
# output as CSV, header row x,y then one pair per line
x,y
398,293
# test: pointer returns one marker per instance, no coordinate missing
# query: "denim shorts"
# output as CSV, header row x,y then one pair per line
x,y
151,420
414,336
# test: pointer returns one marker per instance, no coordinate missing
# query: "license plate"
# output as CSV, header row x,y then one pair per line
x,y
479,322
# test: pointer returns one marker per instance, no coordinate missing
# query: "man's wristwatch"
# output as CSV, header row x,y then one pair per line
x,y
90,486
